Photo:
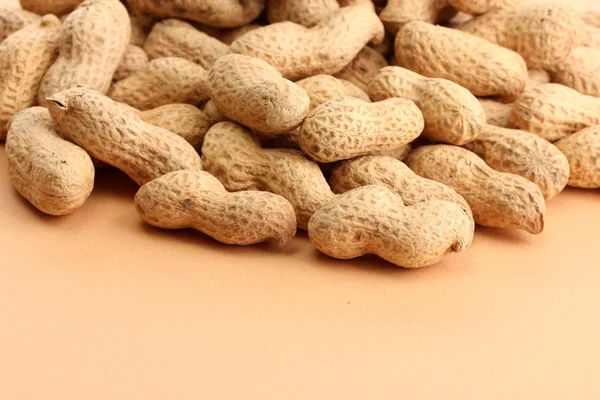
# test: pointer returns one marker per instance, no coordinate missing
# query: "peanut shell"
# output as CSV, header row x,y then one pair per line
x,y
582,149
135,59
304,12
580,71
365,65
321,88
13,19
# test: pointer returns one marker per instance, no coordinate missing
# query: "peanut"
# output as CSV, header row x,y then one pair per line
x,y
580,71
111,134
217,13
324,49
483,6
390,172
474,63
13,19
525,154
347,127
543,34
304,12
321,88
451,113
537,77
25,56
253,93
93,41
582,149
373,220
398,12
135,59
56,7
236,158
213,112
554,111
497,199
164,81
496,112
54,175
174,38
364,66
196,199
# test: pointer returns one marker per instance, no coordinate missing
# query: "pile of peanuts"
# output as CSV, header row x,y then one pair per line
x,y
387,128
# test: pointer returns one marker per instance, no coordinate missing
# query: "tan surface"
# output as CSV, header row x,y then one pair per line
x,y
97,305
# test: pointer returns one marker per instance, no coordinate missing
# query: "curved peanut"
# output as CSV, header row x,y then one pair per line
x,y
398,12
497,199
54,175
582,149
164,81
580,71
543,34
135,59
235,157
347,127
93,41
484,6
373,220
321,88
13,19
116,136
56,7
253,93
196,199
304,12
174,38
324,49
525,154
390,172
451,113
496,112
474,63
217,13
554,111
364,66
25,56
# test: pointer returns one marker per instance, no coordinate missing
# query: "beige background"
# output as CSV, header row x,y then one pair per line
x,y
97,305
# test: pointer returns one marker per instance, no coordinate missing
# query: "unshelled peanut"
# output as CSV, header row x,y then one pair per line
x,y
135,59
580,71
304,12
364,66
321,88
582,149
537,77
399,12
496,112
13,19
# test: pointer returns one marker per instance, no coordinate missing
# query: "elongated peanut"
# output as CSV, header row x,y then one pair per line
x,y
497,199
365,65
13,19
451,113
93,41
253,93
54,175
217,13
390,172
398,12
235,157
580,71
543,34
56,7
164,81
582,149
321,88
196,199
229,36
119,138
304,12
496,112
25,56
347,127
474,63
484,6
175,38
135,59
554,111
373,220
324,49
525,154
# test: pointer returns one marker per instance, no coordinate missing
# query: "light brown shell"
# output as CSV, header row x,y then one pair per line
x,y
25,56
496,112
56,7
253,93
164,81
54,175
390,172
229,36
304,12
537,77
175,38
398,12
451,113
474,63
13,19
217,13
592,38
373,220
118,137
591,17
364,66
580,71
525,154
554,111
347,127
93,41
324,49
484,6
135,59
543,34
321,88
497,199
196,199
582,149
236,158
